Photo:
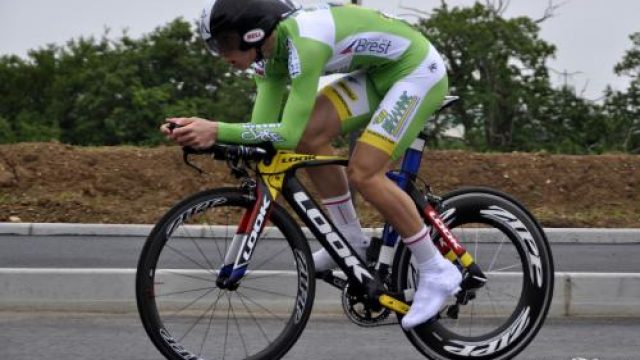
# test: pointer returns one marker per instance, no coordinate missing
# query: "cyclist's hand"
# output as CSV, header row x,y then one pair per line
x,y
193,132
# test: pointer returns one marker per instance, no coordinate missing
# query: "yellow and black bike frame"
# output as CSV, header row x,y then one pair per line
x,y
276,176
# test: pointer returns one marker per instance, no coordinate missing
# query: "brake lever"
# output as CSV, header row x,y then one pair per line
x,y
186,151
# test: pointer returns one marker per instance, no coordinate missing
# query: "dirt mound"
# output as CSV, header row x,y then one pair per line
x,y
51,182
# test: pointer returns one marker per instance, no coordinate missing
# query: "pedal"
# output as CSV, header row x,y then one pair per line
x,y
394,304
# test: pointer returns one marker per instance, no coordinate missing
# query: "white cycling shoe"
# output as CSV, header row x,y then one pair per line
x,y
439,279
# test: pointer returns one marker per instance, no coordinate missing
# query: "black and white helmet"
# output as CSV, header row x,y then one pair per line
x,y
241,24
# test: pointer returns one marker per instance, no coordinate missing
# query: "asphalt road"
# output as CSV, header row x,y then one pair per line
x,y
108,337
123,252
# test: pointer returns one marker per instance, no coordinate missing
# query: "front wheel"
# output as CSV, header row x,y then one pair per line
x,y
187,316
512,251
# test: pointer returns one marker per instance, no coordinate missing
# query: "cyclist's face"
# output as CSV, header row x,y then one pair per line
x,y
239,59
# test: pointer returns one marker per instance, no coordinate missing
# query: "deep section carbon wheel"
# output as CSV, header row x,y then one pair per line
x,y
187,316
505,314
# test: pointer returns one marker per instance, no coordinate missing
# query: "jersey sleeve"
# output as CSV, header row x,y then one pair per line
x,y
270,91
306,60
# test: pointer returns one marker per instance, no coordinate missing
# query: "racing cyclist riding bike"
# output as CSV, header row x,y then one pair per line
x,y
396,81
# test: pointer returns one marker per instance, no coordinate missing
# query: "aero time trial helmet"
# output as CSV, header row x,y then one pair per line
x,y
240,24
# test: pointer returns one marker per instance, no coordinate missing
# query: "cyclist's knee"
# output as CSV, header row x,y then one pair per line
x,y
361,179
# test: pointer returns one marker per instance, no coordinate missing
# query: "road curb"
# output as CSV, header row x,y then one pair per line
x,y
113,291
555,235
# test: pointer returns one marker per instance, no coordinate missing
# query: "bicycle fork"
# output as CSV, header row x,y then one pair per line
x,y
244,241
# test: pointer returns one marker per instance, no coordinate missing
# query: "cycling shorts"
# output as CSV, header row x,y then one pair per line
x,y
392,121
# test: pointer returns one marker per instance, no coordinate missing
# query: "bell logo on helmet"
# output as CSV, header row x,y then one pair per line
x,y
253,36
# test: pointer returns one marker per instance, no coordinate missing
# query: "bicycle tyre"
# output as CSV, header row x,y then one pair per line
x,y
182,309
513,305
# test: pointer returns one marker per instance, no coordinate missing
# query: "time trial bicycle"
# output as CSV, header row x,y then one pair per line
x,y
227,273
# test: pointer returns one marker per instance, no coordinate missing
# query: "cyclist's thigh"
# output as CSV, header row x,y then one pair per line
x,y
407,105
341,106
323,126
354,99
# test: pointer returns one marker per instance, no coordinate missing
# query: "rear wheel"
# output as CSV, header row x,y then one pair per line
x,y
183,311
513,252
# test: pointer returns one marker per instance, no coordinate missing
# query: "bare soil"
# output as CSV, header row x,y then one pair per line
x,y
52,182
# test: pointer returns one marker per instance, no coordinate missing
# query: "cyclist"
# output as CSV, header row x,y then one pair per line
x,y
396,80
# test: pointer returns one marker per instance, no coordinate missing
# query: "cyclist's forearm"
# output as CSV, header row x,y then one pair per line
x,y
282,137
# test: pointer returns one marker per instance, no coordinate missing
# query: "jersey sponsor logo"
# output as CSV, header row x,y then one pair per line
x,y
347,90
395,121
261,132
368,47
253,36
295,68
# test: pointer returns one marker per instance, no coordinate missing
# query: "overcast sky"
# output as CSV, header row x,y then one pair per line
x,y
591,35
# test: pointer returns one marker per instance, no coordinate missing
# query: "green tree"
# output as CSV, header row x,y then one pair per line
x,y
623,108
563,122
108,92
6,132
496,65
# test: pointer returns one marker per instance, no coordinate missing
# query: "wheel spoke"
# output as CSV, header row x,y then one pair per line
x,y
516,265
488,289
203,255
268,259
200,318
495,257
184,291
255,319
268,291
261,306
211,280
189,258
206,335
235,318
191,303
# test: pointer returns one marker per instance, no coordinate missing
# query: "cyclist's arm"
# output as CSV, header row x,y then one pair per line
x,y
268,105
306,63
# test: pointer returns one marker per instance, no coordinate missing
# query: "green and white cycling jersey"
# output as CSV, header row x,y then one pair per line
x,y
397,79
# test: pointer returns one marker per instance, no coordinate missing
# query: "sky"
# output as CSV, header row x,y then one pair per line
x,y
591,36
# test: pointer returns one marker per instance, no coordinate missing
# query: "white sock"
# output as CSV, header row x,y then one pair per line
x,y
421,246
343,214
438,279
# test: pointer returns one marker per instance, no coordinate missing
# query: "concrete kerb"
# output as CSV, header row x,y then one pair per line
x,y
555,235
112,290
